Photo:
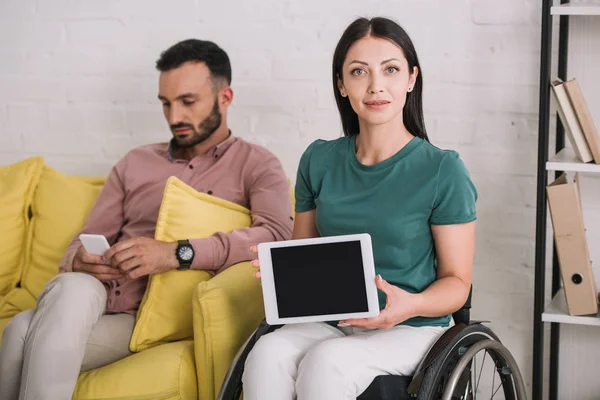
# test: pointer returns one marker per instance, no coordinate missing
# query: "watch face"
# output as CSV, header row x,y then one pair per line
x,y
186,253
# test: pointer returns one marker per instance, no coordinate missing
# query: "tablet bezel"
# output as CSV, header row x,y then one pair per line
x,y
268,283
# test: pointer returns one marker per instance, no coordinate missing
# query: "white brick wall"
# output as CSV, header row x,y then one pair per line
x,y
78,85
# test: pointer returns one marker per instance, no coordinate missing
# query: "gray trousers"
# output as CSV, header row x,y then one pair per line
x,y
44,350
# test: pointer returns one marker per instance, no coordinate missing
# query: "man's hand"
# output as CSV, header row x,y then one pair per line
x,y
95,266
142,256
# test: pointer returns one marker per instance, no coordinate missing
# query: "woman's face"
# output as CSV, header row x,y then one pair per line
x,y
376,79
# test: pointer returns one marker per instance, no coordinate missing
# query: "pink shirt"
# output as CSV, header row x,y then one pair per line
x,y
234,170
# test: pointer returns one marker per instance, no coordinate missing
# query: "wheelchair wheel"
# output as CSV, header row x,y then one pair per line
x,y
474,365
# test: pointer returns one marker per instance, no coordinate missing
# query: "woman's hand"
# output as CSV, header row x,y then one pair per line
x,y
400,305
255,262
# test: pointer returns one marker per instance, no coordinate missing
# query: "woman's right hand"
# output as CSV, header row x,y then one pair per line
x,y
255,262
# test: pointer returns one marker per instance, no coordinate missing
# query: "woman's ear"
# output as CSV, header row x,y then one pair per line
x,y
412,79
341,88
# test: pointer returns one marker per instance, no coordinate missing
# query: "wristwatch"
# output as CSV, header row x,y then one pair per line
x,y
184,254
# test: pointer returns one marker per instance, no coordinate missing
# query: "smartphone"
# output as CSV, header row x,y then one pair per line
x,y
94,244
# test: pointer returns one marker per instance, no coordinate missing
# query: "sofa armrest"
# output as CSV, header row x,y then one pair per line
x,y
227,309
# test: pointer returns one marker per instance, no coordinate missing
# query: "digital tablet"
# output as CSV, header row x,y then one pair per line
x,y
321,279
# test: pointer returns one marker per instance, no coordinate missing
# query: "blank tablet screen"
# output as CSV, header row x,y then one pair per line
x,y
319,279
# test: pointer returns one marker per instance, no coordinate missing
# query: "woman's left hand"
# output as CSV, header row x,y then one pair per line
x,y
400,305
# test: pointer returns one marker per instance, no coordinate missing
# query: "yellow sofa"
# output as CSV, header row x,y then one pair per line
x,y
40,210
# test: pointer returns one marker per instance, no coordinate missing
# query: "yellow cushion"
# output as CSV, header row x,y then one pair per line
x,y
3,323
165,314
165,372
15,301
227,309
60,207
17,184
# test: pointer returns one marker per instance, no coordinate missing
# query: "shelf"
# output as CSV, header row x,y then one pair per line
x,y
565,160
576,9
557,312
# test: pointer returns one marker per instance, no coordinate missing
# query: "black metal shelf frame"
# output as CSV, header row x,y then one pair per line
x,y
541,214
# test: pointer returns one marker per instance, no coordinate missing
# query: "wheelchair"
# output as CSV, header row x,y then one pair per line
x,y
453,369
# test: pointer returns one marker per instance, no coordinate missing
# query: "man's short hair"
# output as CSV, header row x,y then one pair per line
x,y
196,50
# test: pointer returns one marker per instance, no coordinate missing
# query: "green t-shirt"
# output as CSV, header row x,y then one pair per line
x,y
396,201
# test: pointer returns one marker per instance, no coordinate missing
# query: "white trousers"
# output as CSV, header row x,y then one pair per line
x,y
44,349
316,361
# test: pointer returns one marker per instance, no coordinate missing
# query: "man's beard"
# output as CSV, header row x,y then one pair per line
x,y
205,129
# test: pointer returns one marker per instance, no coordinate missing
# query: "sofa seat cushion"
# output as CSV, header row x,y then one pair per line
x,y
3,323
15,301
163,372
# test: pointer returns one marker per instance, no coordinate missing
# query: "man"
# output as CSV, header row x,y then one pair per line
x,y
85,316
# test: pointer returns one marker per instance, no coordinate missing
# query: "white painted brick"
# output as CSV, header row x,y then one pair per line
x,y
249,67
76,9
147,121
30,34
12,61
21,88
505,251
79,165
3,115
325,98
275,125
523,72
63,144
238,121
323,125
172,12
503,163
511,132
503,280
487,306
74,119
516,223
28,118
456,98
523,41
515,192
260,38
268,12
279,95
11,157
89,62
508,12
316,67
10,142
101,34
449,130
106,90
23,9
459,42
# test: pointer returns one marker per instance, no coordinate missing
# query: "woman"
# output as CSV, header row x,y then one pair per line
x,y
417,202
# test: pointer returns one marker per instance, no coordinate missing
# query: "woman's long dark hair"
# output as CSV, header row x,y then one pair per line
x,y
386,29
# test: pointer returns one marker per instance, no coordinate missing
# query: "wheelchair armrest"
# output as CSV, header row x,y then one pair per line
x,y
232,384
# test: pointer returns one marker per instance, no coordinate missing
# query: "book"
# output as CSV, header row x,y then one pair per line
x,y
585,118
570,122
566,213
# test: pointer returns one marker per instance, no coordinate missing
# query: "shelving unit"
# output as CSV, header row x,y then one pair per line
x,y
575,9
555,312
565,160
